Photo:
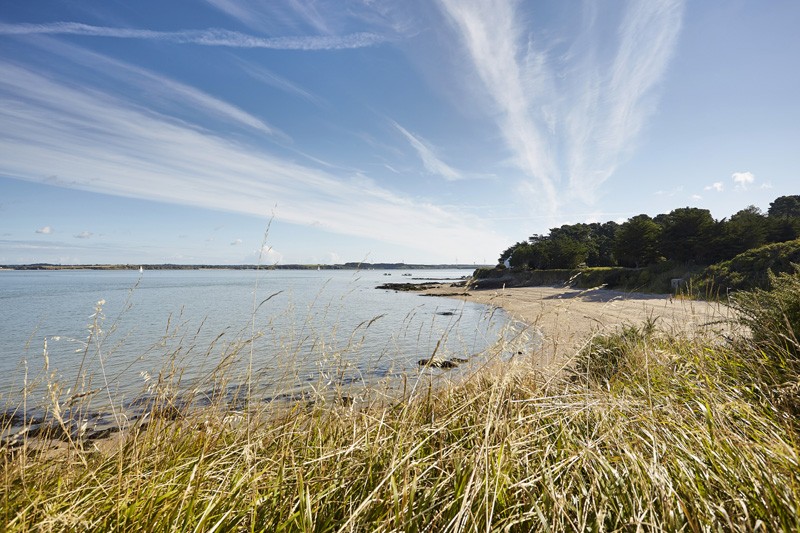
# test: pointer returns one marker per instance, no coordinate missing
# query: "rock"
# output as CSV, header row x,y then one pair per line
x,y
437,363
405,287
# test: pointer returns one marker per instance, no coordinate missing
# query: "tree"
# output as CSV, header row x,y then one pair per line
x,y
568,246
602,236
687,234
746,229
785,206
784,219
636,242
517,255
566,252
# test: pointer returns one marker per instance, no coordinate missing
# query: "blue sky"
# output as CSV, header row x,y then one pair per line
x,y
417,131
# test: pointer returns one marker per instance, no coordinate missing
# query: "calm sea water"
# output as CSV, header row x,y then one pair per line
x,y
294,329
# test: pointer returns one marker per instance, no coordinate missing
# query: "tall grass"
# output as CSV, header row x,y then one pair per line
x,y
668,433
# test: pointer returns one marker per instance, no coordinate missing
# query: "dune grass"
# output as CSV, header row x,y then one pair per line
x,y
648,431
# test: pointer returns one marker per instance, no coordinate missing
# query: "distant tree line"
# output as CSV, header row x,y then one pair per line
x,y
685,235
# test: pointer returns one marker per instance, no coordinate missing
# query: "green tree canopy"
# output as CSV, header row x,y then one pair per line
x,y
686,235
745,229
636,242
602,236
785,206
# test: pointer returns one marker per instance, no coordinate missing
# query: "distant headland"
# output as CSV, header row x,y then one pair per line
x,y
170,266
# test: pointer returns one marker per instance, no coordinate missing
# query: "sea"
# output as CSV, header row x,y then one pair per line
x,y
120,335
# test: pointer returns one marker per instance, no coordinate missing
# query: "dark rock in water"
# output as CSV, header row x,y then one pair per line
x,y
405,287
446,313
437,363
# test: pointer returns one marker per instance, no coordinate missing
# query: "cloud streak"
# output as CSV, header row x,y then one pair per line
x,y
569,117
427,153
93,141
206,37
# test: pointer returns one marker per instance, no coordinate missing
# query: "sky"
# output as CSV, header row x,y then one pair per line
x,y
417,131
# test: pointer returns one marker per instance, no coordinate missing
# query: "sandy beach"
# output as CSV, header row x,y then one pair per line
x,y
568,318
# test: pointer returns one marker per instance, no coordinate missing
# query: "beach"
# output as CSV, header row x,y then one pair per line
x,y
568,318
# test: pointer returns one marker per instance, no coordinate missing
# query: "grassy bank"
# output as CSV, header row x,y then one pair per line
x,y
651,279
646,431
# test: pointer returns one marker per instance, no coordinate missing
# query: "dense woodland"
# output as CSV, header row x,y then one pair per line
x,y
686,235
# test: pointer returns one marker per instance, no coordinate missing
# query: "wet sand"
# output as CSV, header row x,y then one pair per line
x,y
568,318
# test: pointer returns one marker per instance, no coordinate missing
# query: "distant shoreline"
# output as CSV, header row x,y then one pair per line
x,y
169,266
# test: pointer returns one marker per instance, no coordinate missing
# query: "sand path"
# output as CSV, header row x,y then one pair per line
x,y
567,318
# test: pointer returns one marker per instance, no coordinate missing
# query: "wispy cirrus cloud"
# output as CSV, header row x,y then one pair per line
x,y
270,78
569,117
161,89
430,160
97,142
241,11
324,17
45,230
206,37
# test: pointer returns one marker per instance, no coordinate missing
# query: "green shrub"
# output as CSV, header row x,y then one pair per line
x,y
773,316
751,269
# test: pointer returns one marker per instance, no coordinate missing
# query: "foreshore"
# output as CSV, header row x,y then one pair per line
x,y
568,318
565,320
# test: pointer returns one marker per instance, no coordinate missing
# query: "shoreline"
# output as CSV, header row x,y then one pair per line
x,y
563,319
568,318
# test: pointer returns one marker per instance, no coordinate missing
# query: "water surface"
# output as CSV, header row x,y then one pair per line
x,y
122,332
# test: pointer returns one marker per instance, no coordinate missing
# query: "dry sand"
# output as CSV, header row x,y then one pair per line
x,y
568,318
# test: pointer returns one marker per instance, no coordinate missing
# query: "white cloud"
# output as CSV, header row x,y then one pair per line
x,y
84,235
766,186
743,179
97,142
716,186
207,37
45,230
695,197
573,115
236,242
427,153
